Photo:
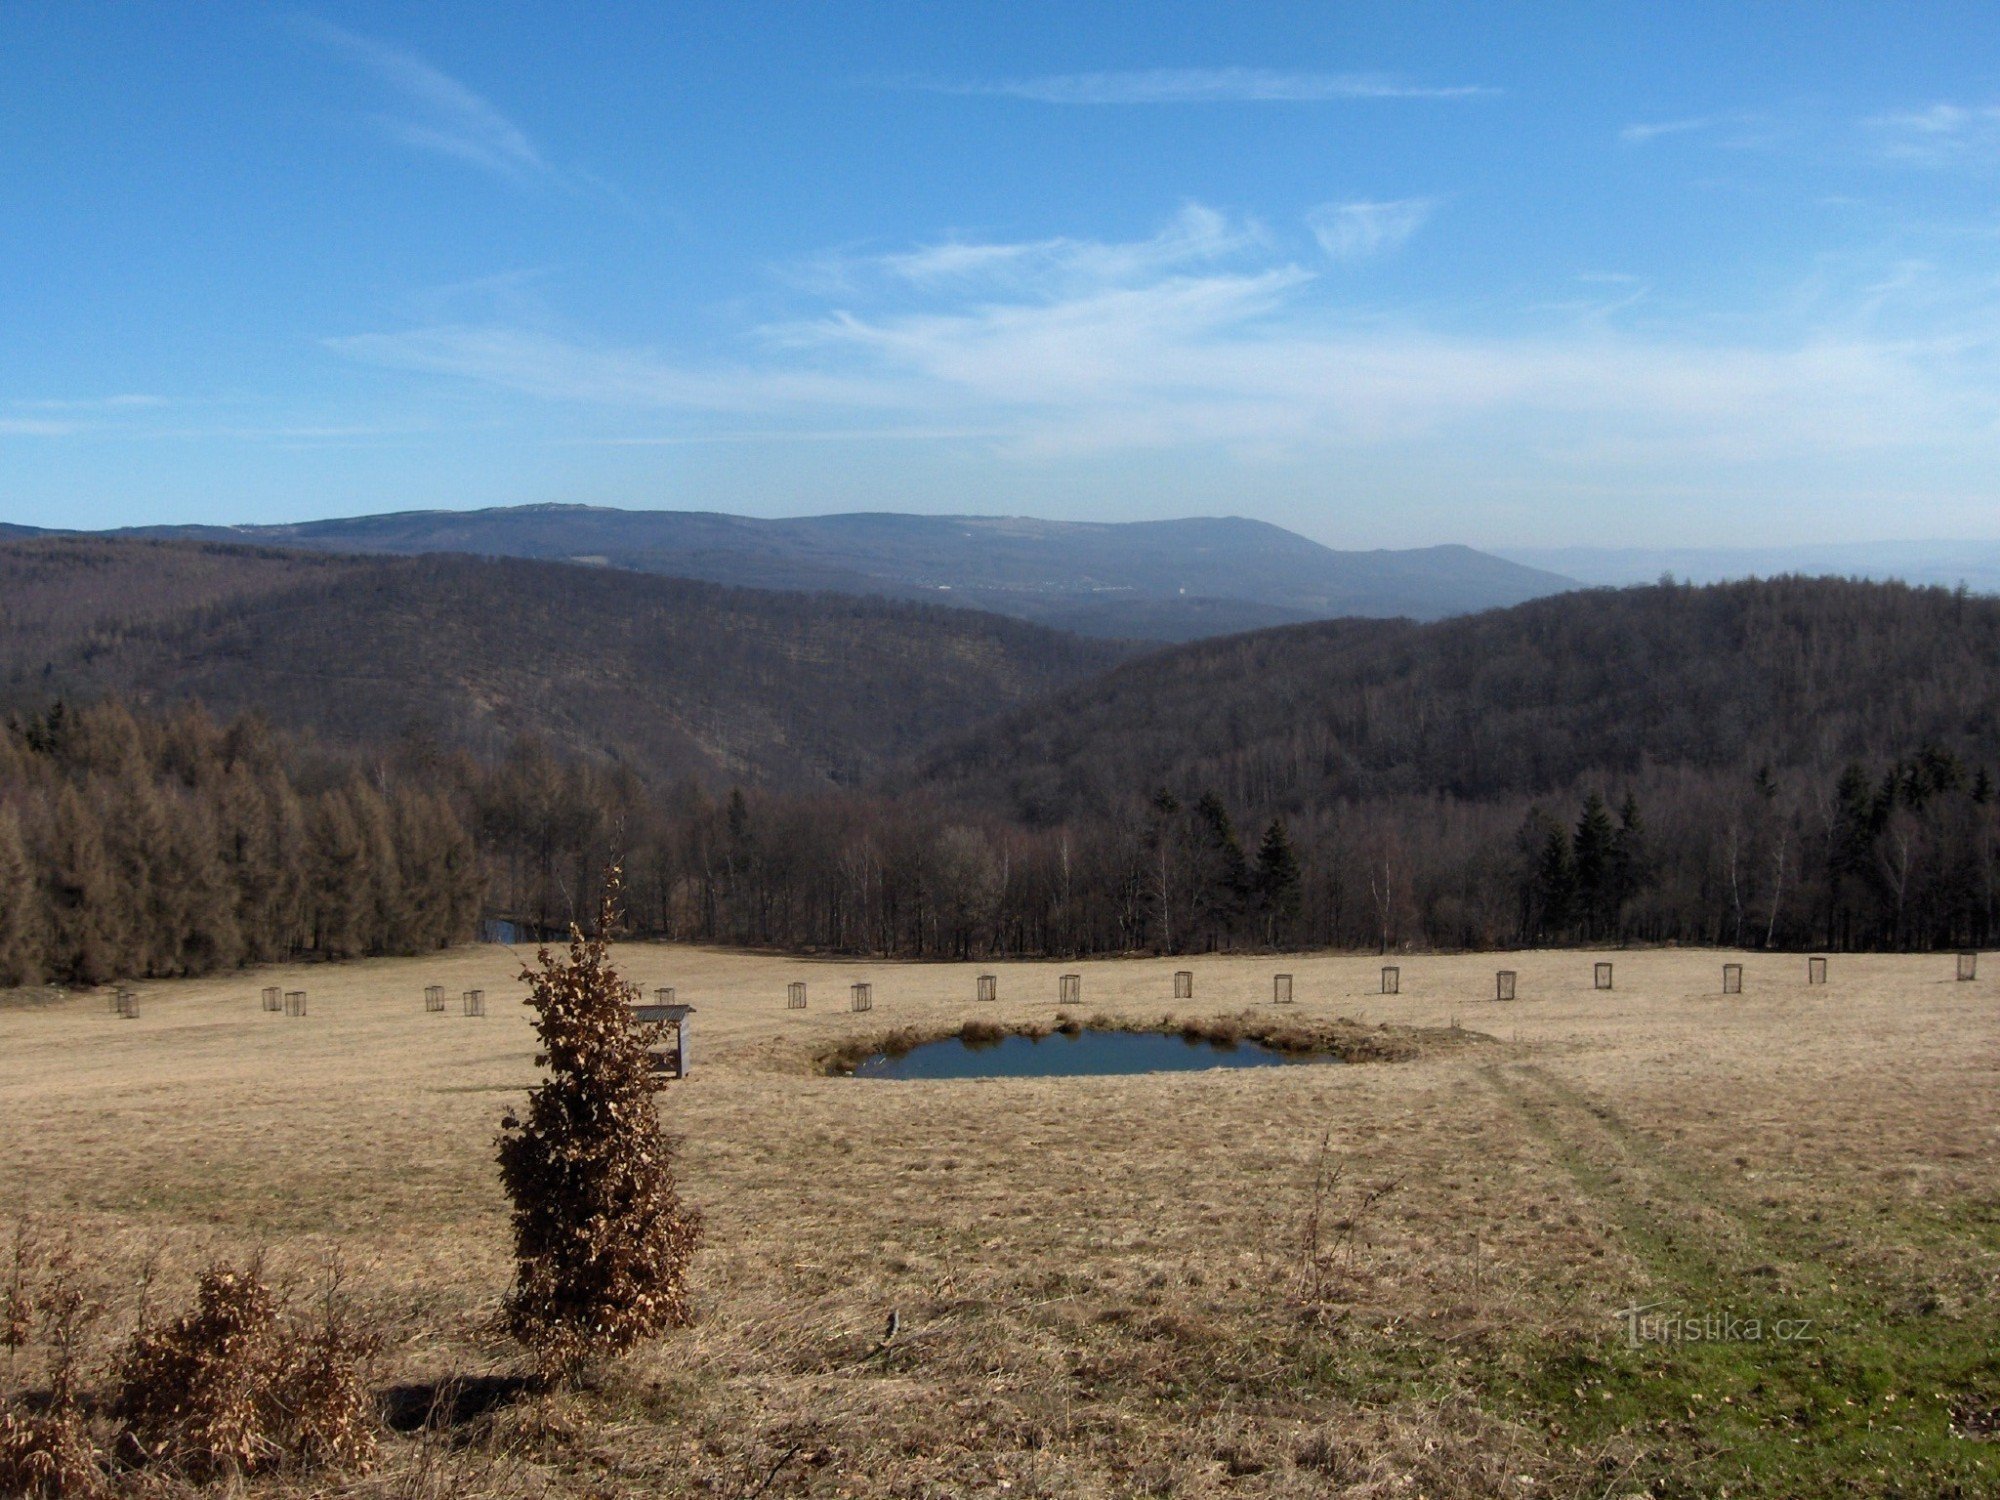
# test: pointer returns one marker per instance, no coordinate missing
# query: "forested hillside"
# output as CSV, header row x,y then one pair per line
x,y
63,597
665,677
1788,764
1796,676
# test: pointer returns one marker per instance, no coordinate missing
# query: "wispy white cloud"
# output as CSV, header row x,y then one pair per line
x,y
538,363
1205,86
128,402
433,111
1205,336
1196,236
1940,135
1642,133
67,416
1355,231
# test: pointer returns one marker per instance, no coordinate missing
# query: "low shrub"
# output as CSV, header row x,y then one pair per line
x,y
233,1387
48,1455
46,1448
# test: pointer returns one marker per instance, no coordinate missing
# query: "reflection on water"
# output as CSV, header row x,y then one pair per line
x,y
1065,1056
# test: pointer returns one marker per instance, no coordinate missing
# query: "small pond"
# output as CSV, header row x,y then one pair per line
x,y
1063,1055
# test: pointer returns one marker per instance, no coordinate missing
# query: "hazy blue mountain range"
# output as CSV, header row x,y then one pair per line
x,y
1155,580
1947,563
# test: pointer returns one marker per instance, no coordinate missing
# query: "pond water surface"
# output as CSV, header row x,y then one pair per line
x,y
1085,1053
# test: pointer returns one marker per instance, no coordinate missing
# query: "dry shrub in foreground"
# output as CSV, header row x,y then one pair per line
x,y
233,1386
601,1238
46,1449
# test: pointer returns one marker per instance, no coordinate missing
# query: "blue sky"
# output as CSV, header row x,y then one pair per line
x,y
1389,275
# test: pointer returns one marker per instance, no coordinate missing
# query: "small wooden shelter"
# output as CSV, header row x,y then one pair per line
x,y
675,1016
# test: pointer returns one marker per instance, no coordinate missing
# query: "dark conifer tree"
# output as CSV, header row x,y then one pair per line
x,y
1225,885
1280,883
1591,866
1629,864
1555,883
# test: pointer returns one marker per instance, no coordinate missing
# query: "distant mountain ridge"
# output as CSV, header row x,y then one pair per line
x,y
1942,562
1155,580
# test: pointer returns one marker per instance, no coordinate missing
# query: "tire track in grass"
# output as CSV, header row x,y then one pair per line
x,y
1764,1360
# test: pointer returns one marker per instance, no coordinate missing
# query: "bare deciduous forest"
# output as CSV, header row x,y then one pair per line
x,y
1787,764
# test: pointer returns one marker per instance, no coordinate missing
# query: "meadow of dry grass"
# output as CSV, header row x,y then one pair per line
x,y
1106,1286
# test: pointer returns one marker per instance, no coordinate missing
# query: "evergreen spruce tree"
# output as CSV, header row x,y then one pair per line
x,y
1280,886
1629,872
1591,865
1555,883
1226,884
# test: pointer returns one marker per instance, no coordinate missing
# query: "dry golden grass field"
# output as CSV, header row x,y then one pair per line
x,y
1106,1286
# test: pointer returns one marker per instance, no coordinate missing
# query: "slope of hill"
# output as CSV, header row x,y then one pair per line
x,y
1600,685
668,676
1168,580
62,594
